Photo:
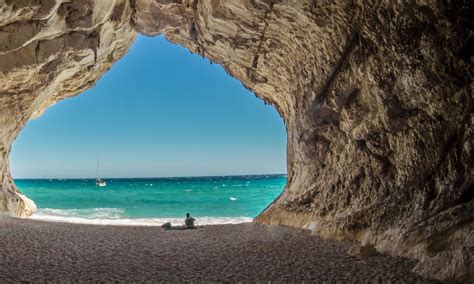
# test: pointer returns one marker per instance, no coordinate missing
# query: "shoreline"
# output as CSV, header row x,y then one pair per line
x,y
145,222
34,250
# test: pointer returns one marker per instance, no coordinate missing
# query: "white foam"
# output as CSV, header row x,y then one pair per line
x,y
114,216
233,198
88,213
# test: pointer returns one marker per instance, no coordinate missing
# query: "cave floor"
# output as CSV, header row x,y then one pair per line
x,y
42,251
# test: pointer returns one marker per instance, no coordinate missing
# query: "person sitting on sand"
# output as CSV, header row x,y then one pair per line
x,y
189,222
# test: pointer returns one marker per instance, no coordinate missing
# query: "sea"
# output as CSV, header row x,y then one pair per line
x,y
153,201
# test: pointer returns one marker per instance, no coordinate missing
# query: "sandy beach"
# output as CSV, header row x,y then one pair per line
x,y
41,251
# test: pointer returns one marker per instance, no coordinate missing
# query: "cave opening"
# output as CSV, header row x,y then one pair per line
x,y
174,133
377,101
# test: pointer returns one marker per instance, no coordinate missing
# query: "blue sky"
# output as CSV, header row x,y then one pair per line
x,y
160,111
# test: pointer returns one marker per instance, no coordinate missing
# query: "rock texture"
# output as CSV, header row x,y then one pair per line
x,y
50,50
376,97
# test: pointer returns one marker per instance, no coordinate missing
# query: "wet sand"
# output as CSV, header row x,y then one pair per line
x,y
44,251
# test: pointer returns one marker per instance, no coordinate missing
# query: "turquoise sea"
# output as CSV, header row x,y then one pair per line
x,y
153,201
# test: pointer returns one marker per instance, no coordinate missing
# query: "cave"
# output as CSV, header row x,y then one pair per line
x,y
376,98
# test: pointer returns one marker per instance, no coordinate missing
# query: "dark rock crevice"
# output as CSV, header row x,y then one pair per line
x,y
260,40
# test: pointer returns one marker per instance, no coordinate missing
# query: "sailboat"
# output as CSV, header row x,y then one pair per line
x,y
99,182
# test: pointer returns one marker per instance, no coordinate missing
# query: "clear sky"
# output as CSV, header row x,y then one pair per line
x,y
160,111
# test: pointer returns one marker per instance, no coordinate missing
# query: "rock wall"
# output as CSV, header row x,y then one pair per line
x,y
377,100
376,97
51,50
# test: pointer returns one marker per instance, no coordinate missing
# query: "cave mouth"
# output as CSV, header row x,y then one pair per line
x,y
174,134
378,106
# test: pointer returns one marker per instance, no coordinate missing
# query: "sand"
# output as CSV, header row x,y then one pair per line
x,y
32,250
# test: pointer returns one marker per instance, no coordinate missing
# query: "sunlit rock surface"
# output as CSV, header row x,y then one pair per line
x,y
376,97
50,50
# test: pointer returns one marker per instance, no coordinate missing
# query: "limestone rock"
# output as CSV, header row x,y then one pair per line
x,y
376,97
51,50
378,104
362,251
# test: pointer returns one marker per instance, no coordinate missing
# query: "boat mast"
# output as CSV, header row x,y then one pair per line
x,y
97,167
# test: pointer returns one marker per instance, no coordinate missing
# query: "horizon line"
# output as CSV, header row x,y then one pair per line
x,y
168,177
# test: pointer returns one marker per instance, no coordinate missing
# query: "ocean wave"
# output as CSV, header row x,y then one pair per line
x,y
88,213
114,216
